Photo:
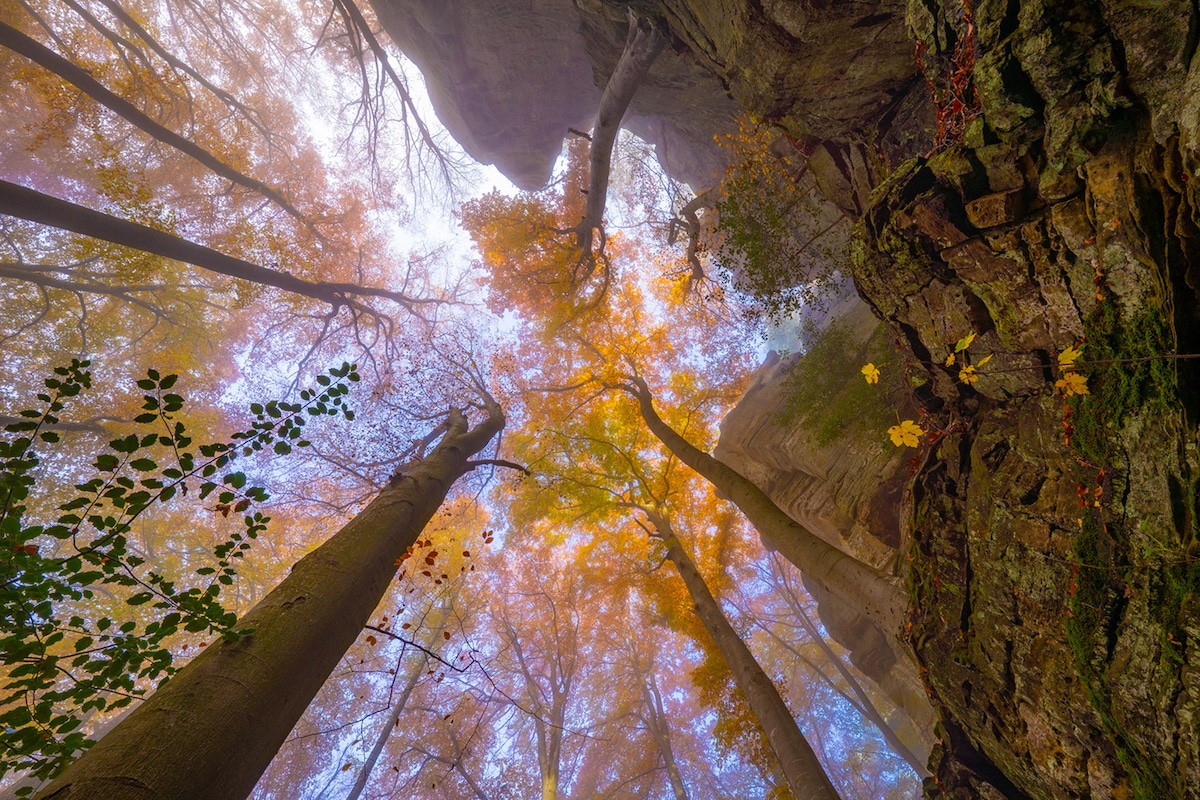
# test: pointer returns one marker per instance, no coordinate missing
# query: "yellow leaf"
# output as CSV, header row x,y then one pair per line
x,y
984,360
964,342
950,360
871,373
968,375
907,433
1072,383
1068,357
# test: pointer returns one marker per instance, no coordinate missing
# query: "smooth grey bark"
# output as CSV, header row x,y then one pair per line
x,y
642,47
659,727
798,762
30,204
688,218
210,731
549,701
385,732
79,77
879,596
865,705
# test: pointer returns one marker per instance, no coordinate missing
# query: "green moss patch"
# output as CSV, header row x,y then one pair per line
x,y
1108,556
827,390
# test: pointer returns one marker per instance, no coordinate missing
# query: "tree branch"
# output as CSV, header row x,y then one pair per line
x,y
18,42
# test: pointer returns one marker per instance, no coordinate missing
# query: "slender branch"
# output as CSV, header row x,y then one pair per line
x,y
30,48
35,206
497,462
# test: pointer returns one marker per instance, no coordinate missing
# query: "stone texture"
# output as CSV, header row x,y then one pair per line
x,y
847,492
508,78
1046,619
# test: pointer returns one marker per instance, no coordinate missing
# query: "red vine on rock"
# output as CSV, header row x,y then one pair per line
x,y
955,97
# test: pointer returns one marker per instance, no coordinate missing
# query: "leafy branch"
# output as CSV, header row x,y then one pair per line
x,y
59,667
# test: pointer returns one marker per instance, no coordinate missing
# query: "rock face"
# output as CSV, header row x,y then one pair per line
x,y
836,476
508,79
1055,583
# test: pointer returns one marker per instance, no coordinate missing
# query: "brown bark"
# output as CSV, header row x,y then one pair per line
x,y
24,203
642,47
659,727
877,595
46,58
802,770
210,732
865,705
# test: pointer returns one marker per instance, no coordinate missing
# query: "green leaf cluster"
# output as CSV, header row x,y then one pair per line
x,y
60,660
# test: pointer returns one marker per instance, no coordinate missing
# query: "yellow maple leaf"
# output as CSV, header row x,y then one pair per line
x,y
906,434
950,360
968,374
1068,357
1072,383
964,342
871,373
984,360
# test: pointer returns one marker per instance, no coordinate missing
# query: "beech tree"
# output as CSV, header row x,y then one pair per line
x,y
211,731
799,763
877,595
599,468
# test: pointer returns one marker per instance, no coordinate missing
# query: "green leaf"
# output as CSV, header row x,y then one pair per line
x,y
282,448
168,382
143,464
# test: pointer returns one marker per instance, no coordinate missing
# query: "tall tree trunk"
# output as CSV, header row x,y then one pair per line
x,y
877,595
642,47
799,763
79,77
385,732
660,728
30,204
210,731
864,700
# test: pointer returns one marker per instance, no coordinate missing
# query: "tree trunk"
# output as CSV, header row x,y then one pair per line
x,y
385,733
865,704
877,595
24,203
642,47
46,58
799,763
212,729
660,729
